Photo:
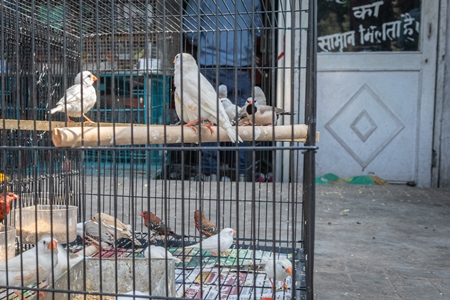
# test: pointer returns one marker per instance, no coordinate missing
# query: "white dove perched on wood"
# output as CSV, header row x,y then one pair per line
x,y
283,269
15,270
187,90
159,252
115,228
70,103
222,240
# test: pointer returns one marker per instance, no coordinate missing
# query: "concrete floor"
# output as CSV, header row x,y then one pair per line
x,y
382,242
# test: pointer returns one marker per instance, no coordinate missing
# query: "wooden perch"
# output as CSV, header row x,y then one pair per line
x,y
160,134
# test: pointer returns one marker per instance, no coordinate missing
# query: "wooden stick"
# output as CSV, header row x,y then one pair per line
x,y
42,125
160,134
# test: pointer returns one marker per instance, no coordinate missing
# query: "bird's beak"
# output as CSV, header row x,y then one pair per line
x,y
94,78
250,101
289,271
141,215
52,245
174,60
92,220
234,231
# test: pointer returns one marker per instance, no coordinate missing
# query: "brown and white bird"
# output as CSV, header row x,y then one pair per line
x,y
207,228
187,85
262,115
25,266
221,241
72,103
283,269
114,227
159,252
155,224
92,234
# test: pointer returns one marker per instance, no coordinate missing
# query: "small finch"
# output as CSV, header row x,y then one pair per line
x,y
154,223
207,227
283,269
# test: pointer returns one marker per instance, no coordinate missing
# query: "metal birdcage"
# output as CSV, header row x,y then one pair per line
x,y
135,156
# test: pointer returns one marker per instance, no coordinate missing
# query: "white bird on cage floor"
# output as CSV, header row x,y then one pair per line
x,y
223,241
114,227
187,90
283,269
24,266
159,252
135,293
79,98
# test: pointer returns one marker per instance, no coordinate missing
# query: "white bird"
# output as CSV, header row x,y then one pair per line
x,y
135,293
230,108
70,103
283,269
159,252
24,266
262,115
223,240
114,227
62,265
187,88
222,91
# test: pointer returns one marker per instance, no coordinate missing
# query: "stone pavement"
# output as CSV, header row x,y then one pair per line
x,y
382,242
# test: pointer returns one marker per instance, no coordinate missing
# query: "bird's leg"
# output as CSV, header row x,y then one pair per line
x,y
209,125
88,120
191,124
273,285
69,120
285,286
214,254
18,294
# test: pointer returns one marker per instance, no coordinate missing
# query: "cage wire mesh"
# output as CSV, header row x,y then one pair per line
x,y
87,184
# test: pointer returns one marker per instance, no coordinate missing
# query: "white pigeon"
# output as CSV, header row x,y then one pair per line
x,y
159,252
222,91
230,108
187,88
114,227
70,103
23,267
222,240
283,269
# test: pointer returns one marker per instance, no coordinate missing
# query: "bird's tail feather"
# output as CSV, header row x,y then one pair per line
x,y
233,135
56,109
